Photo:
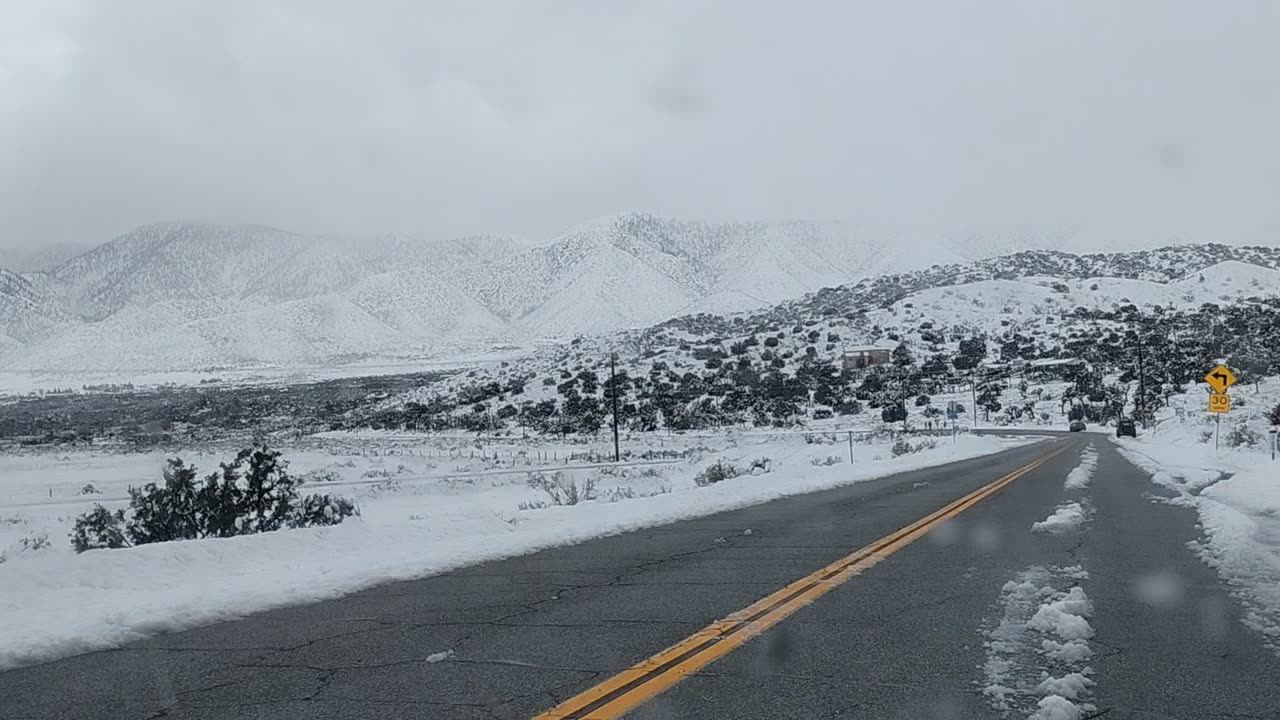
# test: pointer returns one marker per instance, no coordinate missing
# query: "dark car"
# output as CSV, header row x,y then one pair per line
x,y
1077,425
1126,427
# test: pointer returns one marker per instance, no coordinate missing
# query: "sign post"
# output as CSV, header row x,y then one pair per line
x,y
1220,379
953,413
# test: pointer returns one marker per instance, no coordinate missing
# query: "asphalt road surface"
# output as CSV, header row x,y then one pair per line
x,y
869,601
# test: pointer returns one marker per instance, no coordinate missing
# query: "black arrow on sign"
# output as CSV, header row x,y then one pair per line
x,y
1221,377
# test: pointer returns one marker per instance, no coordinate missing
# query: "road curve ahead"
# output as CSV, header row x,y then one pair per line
x,y
876,600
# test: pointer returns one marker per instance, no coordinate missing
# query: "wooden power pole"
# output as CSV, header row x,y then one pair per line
x,y
613,392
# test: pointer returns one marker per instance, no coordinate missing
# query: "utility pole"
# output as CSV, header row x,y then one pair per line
x,y
1142,380
613,391
973,387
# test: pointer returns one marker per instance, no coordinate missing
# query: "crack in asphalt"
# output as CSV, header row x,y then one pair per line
x,y
326,674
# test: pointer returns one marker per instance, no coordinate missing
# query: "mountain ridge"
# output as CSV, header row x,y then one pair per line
x,y
167,282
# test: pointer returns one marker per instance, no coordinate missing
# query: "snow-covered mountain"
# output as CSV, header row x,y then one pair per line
x,y
178,296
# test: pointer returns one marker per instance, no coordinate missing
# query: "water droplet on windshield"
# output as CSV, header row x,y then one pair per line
x,y
985,537
1163,590
945,534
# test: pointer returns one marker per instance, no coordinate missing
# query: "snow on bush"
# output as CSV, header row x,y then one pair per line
x,y
1241,435
251,494
30,543
561,489
716,472
902,446
320,475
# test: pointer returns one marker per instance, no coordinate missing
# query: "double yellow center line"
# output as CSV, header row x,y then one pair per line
x,y
628,689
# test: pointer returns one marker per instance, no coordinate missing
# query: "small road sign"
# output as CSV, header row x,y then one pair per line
x,y
1220,379
1220,403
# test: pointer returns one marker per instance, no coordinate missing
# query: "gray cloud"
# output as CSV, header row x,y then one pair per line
x,y
1146,121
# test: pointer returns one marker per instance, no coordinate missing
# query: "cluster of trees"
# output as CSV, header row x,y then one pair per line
x,y
1159,353
734,385
1127,360
253,493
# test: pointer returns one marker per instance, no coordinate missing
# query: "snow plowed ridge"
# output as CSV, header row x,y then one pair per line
x,y
1037,647
1073,514
1065,518
1079,478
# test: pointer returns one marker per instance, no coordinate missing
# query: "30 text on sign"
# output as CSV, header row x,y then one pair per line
x,y
1220,403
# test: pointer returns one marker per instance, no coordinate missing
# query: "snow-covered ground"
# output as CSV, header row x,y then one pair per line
x,y
1235,489
426,505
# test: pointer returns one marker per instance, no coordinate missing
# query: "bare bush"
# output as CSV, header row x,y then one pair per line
x,y
30,543
827,461
718,471
321,475
1241,435
622,492
386,485
563,490
902,446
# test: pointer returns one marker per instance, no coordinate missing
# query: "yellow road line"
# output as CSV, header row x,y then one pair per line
x,y
630,688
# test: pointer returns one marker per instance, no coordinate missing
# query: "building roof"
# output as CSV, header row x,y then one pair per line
x,y
866,348
1056,361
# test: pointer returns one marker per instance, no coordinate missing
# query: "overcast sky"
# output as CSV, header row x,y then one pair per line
x,y
1146,119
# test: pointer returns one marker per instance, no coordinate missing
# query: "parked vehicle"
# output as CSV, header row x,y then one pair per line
x,y
1077,425
1126,427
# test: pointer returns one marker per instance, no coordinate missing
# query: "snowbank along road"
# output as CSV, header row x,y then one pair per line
x,y
1048,581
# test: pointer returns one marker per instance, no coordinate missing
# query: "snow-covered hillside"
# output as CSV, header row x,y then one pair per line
x,y
1025,337
182,296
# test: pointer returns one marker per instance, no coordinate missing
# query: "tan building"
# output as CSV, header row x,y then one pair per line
x,y
859,358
